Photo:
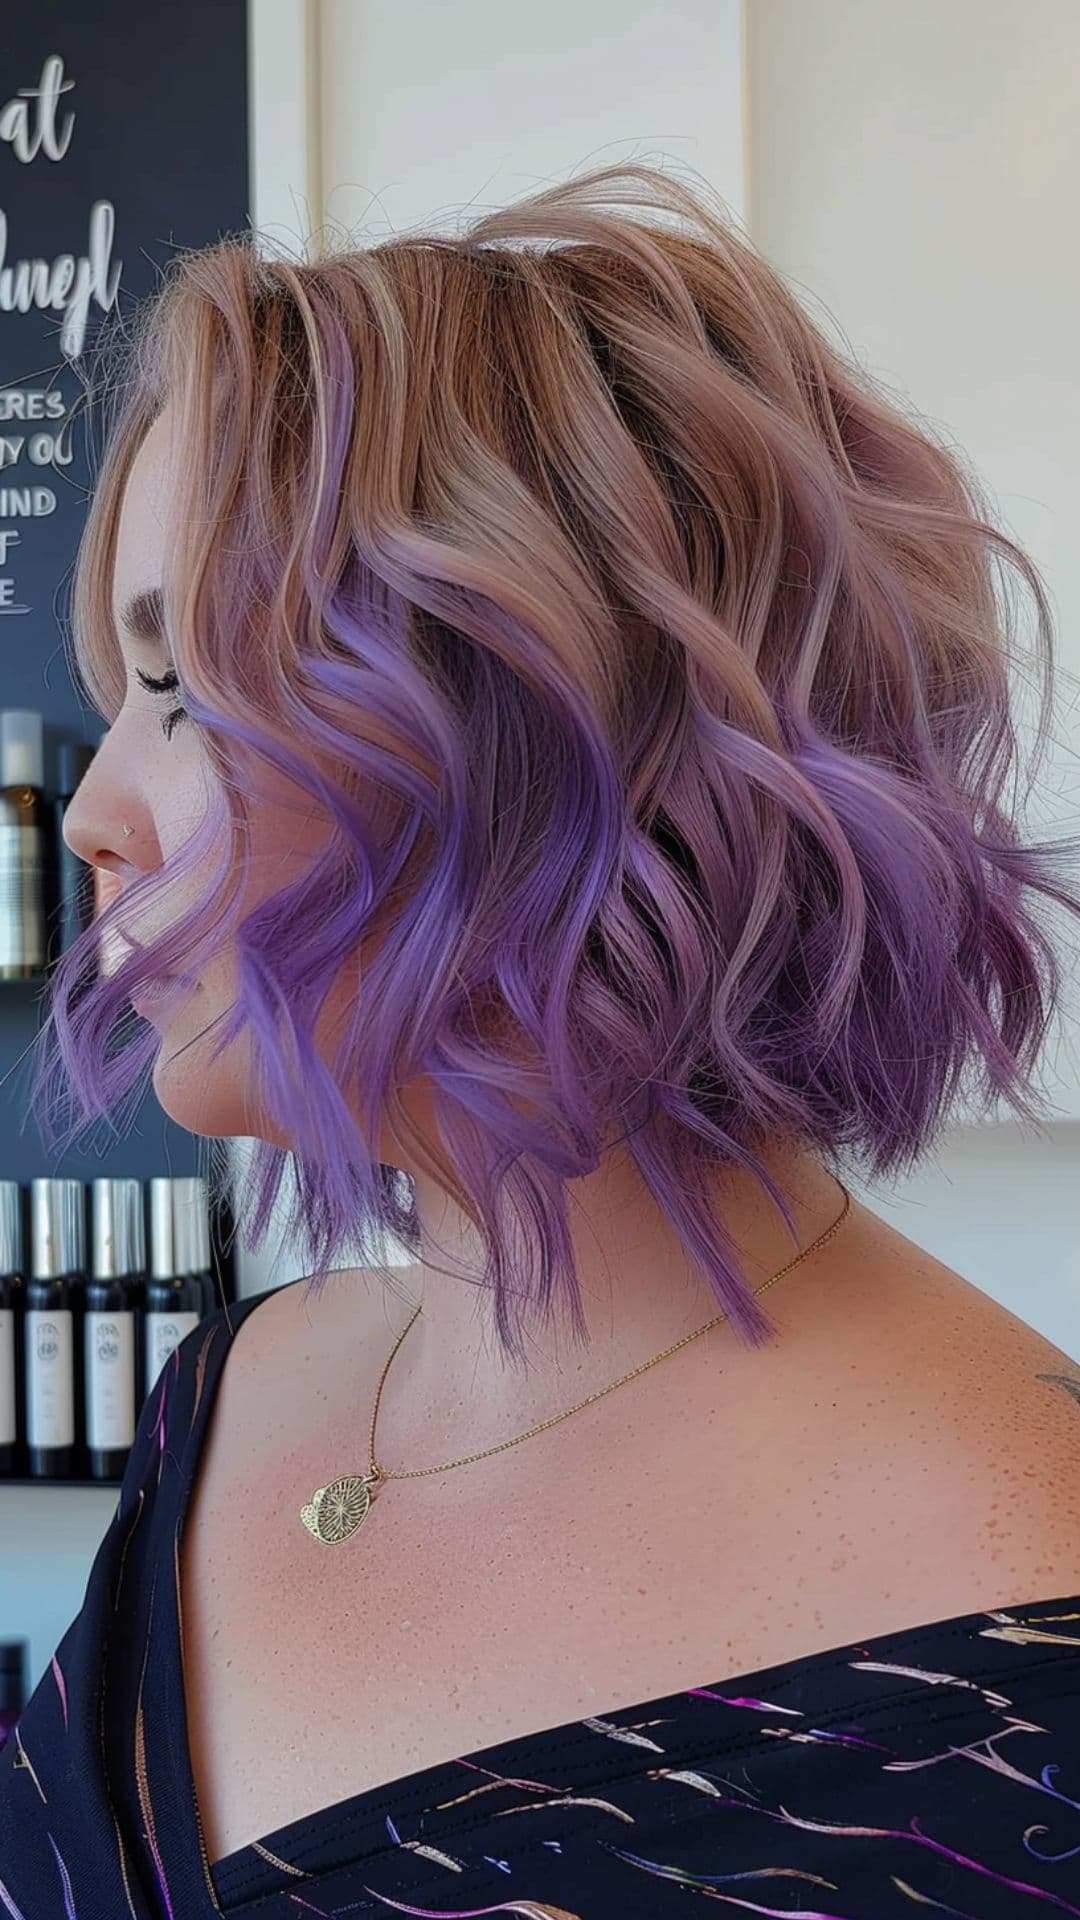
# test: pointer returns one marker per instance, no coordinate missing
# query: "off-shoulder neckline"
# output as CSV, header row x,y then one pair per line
x,y
613,1743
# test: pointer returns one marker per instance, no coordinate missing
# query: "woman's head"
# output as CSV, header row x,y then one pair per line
x,y
597,715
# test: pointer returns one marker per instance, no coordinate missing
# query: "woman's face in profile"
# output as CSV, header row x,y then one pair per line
x,y
151,772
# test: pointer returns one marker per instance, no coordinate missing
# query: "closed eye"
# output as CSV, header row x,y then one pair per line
x,y
167,684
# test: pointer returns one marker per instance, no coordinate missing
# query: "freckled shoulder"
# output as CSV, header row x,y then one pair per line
x,y
293,1312
977,1417
935,1431
296,1337
1020,1395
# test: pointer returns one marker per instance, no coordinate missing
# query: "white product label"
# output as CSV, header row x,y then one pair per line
x,y
7,1377
110,1379
50,1378
164,1332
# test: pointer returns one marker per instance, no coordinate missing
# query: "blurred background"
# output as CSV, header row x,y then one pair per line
x,y
914,172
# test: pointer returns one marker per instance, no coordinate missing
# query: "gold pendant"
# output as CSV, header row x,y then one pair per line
x,y
336,1511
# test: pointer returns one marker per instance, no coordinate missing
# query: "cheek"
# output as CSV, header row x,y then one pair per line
x,y
217,1097
176,783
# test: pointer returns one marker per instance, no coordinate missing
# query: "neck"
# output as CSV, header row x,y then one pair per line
x,y
451,1390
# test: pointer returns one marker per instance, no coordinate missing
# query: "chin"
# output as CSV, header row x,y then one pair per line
x,y
200,1101
205,1095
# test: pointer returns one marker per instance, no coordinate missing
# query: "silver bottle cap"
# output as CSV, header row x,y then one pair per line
x,y
57,1227
119,1236
179,1226
11,1234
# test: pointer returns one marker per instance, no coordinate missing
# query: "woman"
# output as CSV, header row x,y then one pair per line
x,y
558,718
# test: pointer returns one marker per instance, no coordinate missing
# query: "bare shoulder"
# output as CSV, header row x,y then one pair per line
x,y
297,1349
969,1350
968,1416
919,1440
295,1318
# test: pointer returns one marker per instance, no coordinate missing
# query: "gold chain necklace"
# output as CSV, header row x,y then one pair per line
x,y
337,1510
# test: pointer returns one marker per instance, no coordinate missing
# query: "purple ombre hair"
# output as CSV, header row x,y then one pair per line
x,y
651,672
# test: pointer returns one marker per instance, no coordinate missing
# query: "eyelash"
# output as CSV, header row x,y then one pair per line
x,y
168,684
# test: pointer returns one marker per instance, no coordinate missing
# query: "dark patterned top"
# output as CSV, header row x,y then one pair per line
x,y
931,1772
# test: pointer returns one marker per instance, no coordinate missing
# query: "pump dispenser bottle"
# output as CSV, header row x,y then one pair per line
x,y
190,1199
117,1260
23,855
12,1307
174,1299
57,1272
13,1665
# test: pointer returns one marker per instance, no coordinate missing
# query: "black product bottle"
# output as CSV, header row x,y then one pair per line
x,y
12,1307
23,852
192,1207
13,1664
57,1270
118,1256
174,1297
71,880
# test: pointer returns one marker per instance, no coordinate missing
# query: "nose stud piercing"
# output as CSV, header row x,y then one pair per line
x,y
129,829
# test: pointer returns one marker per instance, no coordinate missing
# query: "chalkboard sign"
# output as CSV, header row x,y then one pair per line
x,y
123,138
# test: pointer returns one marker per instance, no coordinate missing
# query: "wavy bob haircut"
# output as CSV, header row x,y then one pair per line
x,y
651,669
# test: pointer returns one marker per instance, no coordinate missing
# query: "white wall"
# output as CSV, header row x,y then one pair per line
x,y
48,1538
428,109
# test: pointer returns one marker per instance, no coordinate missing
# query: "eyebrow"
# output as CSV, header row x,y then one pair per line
x,y
144,616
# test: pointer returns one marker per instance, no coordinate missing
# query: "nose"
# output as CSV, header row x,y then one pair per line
x,y
102,805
